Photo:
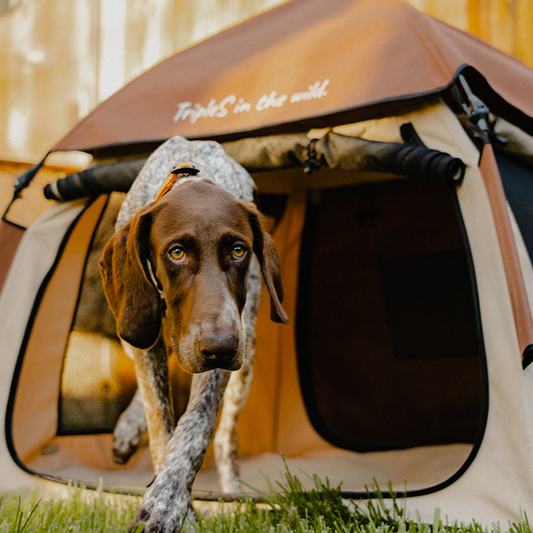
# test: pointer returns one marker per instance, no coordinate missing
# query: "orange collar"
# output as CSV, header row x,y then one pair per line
x,y
179,171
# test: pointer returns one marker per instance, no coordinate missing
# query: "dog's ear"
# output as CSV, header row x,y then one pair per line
x,y
266,252
134,300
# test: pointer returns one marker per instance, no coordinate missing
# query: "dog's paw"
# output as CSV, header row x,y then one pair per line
x,y
125,445
159,518
130,432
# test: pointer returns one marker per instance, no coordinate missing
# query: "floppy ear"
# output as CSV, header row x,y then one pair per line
x,y
134,300
266,252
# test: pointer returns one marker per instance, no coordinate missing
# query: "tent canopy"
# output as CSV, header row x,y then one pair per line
x,y
304,64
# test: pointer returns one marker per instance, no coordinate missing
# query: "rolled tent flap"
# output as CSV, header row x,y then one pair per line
x,y
95,180
341,152
337,152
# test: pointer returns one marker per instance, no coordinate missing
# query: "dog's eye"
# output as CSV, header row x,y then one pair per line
x,y
238,251
177,253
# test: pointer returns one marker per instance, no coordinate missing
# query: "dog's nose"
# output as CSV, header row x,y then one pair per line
x,y
219,348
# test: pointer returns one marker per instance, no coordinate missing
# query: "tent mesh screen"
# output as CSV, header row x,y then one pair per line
x,y
389,342
97,379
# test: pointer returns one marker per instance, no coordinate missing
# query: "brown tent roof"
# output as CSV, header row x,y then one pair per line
x,y
307,63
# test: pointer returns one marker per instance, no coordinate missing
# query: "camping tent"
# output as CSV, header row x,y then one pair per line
x,y
392,155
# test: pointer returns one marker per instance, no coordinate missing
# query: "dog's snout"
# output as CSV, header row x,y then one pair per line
x,y
219,348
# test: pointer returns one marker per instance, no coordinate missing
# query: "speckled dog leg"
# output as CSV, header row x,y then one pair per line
x,y
151,367
130,431
167,501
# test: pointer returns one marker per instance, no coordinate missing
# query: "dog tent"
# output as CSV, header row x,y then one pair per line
x,y
392,155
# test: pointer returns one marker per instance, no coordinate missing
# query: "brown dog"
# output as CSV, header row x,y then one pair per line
x,y
181,274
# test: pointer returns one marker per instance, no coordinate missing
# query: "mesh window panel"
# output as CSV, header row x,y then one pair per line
x,y
389,341
97,378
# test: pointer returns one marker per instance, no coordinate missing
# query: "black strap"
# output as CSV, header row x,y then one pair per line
x,y
22,182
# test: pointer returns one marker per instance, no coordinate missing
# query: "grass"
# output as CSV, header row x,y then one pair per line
x,y
289,509
81,513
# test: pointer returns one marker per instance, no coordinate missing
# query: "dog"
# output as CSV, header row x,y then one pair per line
x,y
182,274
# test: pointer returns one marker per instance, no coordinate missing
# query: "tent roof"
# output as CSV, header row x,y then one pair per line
x,y
307,63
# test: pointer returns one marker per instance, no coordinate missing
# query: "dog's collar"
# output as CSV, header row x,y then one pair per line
x,y
154,280
179,171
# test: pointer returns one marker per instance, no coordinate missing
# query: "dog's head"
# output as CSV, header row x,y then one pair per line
x,y
187,256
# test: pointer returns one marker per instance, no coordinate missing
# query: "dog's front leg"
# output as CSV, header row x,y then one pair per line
x,y
130,430
167,501
225,441
151,367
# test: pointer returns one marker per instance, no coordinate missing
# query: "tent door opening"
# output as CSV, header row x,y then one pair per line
x,y
390,347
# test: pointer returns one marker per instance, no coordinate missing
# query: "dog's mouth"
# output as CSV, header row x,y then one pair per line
x,y
227,360
200,365
234,364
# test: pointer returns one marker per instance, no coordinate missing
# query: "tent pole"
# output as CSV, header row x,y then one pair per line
x,y
511,261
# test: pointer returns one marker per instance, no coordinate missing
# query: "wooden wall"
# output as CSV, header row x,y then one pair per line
x,y
506,24
60,58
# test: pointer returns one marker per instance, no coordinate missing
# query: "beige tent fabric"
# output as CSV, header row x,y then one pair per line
x,y
35,411
40,241
501,474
